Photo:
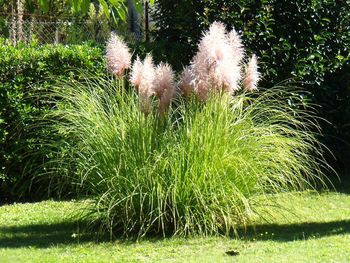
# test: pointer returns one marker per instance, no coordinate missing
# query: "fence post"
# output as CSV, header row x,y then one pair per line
x,y
56,34
20,5
13,27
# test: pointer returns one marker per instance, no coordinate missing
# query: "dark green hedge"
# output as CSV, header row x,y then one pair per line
x,y
25,74
304,40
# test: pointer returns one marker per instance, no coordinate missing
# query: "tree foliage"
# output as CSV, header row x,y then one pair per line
x,y
115,9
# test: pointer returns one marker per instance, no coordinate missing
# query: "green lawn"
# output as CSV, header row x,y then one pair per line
x,y
318,230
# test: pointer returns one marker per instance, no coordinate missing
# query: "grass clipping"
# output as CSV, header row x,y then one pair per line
x,y
196,170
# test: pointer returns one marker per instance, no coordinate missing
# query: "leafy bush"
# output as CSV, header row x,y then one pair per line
x,y
26,72
197,170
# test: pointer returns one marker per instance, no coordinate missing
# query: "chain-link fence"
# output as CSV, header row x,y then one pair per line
x,y
37,29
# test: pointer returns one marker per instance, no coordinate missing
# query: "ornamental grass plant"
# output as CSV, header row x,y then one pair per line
x,y
196,171
155,162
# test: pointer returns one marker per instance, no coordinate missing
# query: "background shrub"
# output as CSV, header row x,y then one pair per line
x,y
307,40
25,74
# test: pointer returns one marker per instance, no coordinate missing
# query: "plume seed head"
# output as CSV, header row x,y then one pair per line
x,y
148,76
142,78
136,73
252,75
164,86
164,79
217,64
235,42
186,82
118,55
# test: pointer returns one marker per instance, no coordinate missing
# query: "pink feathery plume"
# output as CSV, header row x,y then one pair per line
x,y
136,73
142,78
185,83
118,55
210,54
213,44
216,66
252,75
235,42
147,77
227,73
226,76
164,86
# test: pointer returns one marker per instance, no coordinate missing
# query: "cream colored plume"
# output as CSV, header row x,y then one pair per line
x,y
142,77
252,75
118,55
216,66
185,82
164,86
236,44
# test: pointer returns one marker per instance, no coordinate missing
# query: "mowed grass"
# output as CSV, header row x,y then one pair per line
x,y
313,228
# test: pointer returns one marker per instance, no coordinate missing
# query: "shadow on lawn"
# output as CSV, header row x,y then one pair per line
x,y
46,235
65,233
291,232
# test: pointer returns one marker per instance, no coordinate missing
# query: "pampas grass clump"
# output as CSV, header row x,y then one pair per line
x,y
197,171
194,166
